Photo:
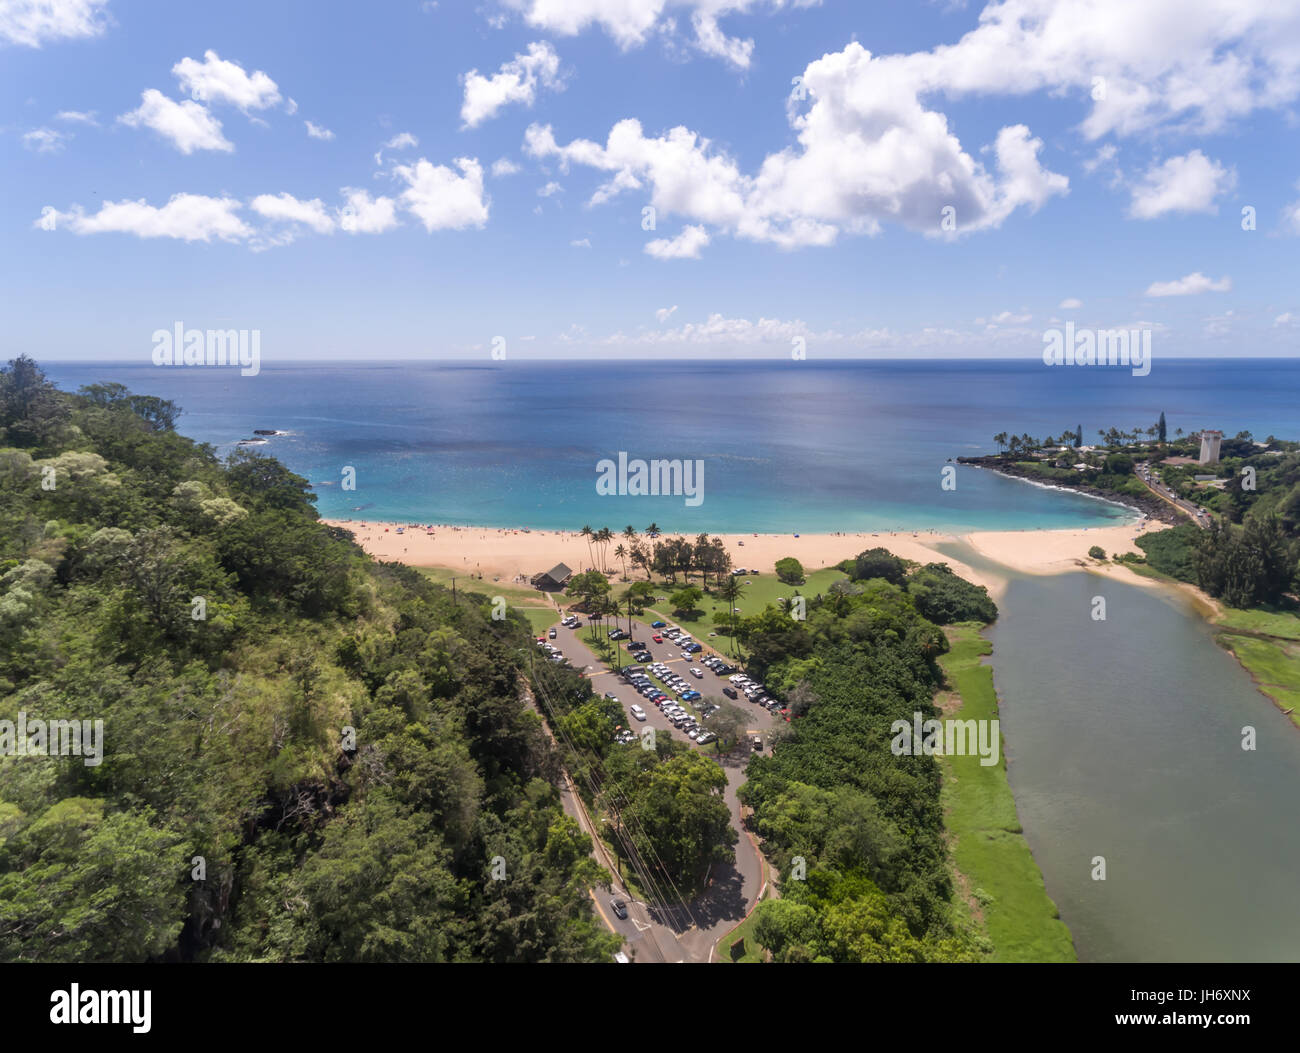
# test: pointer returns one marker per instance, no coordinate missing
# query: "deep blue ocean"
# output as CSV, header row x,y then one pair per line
x,y
786,446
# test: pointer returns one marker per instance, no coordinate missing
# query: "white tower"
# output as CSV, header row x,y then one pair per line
x,y
1210,446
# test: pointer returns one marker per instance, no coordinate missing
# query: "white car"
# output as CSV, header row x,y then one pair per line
x,y
638,712
697,673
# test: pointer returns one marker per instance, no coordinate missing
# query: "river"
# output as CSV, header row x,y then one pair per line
x,y
1124,741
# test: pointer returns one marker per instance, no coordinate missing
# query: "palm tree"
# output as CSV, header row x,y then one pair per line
x,y
620,554
731,590
652,530
1001,439
603,537
630,533
588,533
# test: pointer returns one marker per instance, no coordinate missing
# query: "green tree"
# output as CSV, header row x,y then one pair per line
x,y
790,571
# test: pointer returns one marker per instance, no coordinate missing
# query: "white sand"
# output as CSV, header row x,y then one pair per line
x,y
512,555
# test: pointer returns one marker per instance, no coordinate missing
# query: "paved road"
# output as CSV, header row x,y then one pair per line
x,y
1153,483
733,888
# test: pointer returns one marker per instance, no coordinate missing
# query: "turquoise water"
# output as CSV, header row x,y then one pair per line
x,y
811,446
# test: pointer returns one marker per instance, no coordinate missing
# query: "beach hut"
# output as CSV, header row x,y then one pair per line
x,y
555,578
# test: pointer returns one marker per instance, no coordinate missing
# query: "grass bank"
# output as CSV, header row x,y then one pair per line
x,y
997,878
1267,644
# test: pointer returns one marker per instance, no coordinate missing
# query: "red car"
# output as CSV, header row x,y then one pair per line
x,y
657,638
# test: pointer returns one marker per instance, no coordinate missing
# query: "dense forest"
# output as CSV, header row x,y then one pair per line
x,y
867,824
306,756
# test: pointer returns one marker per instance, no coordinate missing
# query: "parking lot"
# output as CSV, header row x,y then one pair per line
x,y
666,657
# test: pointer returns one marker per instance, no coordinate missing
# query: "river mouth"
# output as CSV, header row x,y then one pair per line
x,y
1123,739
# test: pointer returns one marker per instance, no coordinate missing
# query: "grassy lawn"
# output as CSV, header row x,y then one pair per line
x,y
739,944
528,602
989,850
1285,624
762,590
1274,665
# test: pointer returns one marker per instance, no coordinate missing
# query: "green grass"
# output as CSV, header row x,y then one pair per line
x,y
762,590
528,602
1274,665
989,849
540,618
1284,624
739,945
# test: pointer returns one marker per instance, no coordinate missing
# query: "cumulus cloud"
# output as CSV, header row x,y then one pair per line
x,y
1070,303
550,189
77,117
317,132
400,141
580,243
441,199
503,166
216,80
1190,183
1189,286
664,313
186,125
187,217
286,208
868,152
363,214
632,22
32,23
518,81
686,246
45,140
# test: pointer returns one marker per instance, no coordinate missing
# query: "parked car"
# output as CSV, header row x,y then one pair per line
x,y
697,673
619,908
730,692
657,625
637,712
657,638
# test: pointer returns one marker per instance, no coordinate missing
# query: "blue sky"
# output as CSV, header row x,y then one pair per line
x,y
480,170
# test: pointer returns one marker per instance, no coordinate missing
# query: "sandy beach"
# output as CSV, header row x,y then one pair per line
x,y
515,555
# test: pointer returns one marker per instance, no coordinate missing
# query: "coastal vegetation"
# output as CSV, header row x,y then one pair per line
x,y
306,756
857,830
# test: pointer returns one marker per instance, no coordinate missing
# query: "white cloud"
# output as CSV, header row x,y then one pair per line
x,y
686,246
365,215
664,313
632,22
1189,286
1005,318
1291,217
77,117
581,243
315,131
187,125
217,80
286,208
1181,184
1286,318
516,82
36,22
188,217
45,140
400,141
868,153
441,199
290,106
550,189
1070,303
503,166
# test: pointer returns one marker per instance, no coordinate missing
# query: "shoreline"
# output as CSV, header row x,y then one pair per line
x,y
514,555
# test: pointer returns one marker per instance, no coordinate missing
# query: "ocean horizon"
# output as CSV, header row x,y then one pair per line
x,y
799,446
